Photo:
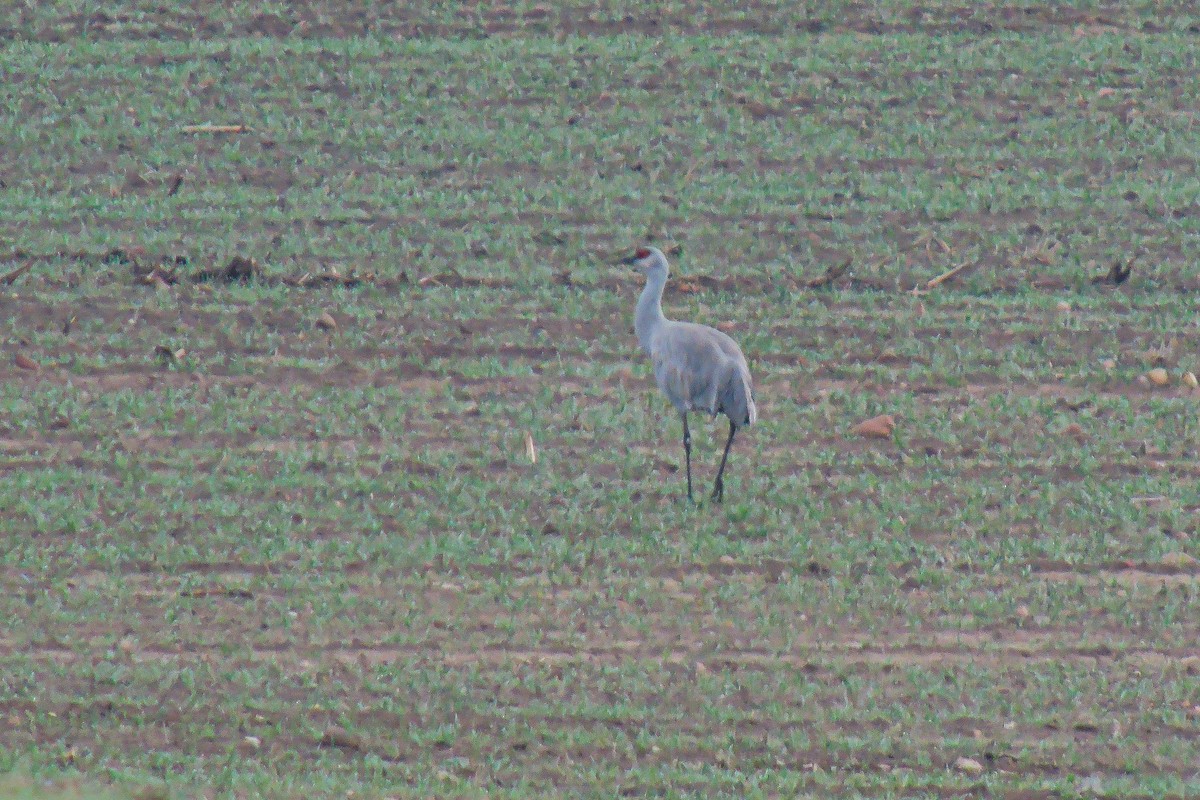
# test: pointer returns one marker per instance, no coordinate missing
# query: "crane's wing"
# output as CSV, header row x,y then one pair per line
x,y
700,368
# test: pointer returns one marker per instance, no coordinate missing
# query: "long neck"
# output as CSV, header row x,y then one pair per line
x,y
649,317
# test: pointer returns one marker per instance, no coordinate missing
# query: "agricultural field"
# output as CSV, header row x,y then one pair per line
x,y
330,466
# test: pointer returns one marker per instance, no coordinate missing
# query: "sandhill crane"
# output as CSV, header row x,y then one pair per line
x,y
697,367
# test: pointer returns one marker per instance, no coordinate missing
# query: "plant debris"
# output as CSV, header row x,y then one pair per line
x,y
11,278
832,273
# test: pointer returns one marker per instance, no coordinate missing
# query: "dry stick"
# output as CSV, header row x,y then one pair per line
x,y
945,276
11,278
214,129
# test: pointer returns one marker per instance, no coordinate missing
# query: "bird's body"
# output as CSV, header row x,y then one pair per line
x,y
701,369
697,367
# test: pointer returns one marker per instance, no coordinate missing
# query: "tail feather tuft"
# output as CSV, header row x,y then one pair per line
x,y
738,400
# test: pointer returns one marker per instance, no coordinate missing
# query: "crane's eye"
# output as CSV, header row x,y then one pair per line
x,y
642,253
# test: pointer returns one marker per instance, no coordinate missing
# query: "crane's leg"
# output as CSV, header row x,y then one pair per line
x,y
687,454
718,493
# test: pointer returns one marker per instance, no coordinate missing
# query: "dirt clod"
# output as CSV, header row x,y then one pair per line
x,y
880,427
169,355
25,362
1075,431
1117,274
239,270
1179,560
968,765
337,736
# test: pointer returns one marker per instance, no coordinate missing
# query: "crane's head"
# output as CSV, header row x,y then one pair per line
x,y
647,260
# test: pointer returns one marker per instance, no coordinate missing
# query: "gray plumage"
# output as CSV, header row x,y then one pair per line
x,y
697,367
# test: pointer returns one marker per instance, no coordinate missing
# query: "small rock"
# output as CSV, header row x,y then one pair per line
x,y
1158,376
326,322
1189,380
968,765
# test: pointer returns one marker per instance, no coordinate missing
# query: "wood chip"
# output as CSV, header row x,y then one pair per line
x,y
326,322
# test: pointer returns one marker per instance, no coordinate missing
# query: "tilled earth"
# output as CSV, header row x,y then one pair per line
x,y
270,518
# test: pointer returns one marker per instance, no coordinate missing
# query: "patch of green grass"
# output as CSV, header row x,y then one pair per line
x,y
26,788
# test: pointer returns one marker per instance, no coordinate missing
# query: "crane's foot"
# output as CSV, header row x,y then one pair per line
x,y
718,492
